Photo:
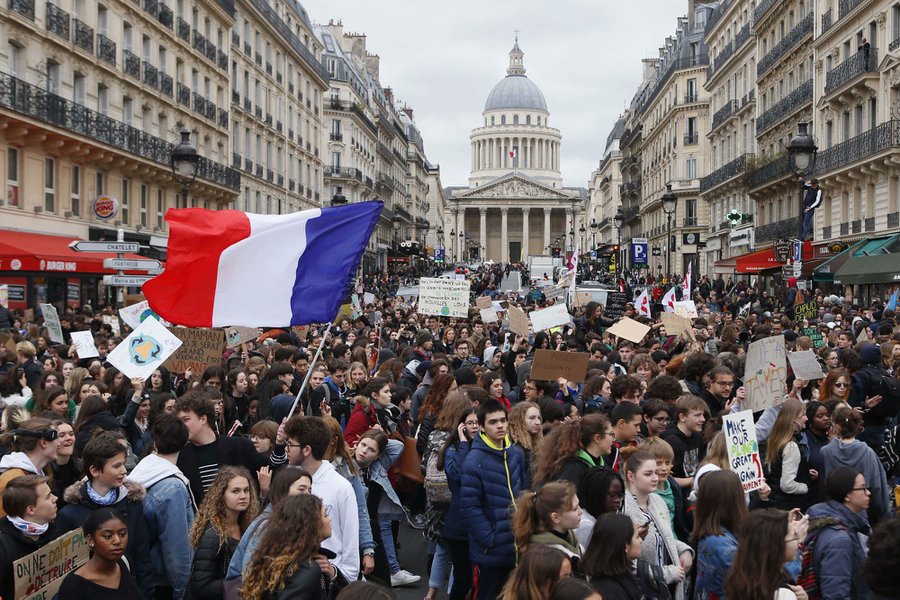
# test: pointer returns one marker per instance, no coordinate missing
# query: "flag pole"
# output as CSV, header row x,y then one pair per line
x,y
312,366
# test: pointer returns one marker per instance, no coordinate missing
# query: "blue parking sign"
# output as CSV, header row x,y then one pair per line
x,y
639,255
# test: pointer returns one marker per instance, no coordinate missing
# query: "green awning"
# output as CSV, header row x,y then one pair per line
x,y
875,261
826,270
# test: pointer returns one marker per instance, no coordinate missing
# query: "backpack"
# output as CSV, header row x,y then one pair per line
x,y
807,578
437,490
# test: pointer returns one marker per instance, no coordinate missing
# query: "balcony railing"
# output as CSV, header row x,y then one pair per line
x,y
132,66
343,173
184,30
725,173
827,21
724,113
106,49
870,224
259,170
894,45
222,60
800,31
877,139
856,226
690,98
677,64
270,175
786,228
826,232
184,94
769,171
785,107
248,165
165,84
151,75
859,64
223,118
84,37
893,219
42,105
629,213
166,16
845,228
151,6
23,7
336,137
762,8
845,7
57,21
690,221
286,34
691,138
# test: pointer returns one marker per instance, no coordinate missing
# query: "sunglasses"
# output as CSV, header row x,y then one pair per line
x,y
841,384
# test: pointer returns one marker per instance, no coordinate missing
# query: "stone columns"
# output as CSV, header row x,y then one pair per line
x,y
504,237
524,253
546,228
482,230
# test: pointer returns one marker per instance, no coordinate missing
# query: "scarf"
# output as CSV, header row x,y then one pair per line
x,y
107,499
27,527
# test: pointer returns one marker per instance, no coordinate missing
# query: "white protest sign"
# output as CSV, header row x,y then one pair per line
x,y
743,450
805,365
135,314
4,295
113,322
84,342
550,317
686,308
145,350
765,373
51,322
443,297
408,291
369,298
488,315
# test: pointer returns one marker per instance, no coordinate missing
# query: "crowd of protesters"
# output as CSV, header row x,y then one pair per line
x,y
204,485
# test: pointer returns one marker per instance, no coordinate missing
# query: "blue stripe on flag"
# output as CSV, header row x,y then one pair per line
x,y
335,242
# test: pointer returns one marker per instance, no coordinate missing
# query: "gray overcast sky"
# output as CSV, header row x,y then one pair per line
x,y
443,58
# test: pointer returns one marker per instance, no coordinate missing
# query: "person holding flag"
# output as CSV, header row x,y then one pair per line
x,y
642,304
686,285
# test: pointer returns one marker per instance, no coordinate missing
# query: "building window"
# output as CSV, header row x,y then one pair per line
x,y
125,201
128,110
335,160
160,208
102,20
102,99
98,184
76,191
258,201
12,176
528,119
515,119
145,199
53,70
49,184
503,119
690,168
78,88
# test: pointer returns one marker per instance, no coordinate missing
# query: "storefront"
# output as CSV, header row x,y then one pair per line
x,y
38,268
872,267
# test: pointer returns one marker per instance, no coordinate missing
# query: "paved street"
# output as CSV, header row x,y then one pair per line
x,y
414,558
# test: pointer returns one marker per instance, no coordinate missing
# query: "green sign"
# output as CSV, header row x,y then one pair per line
x,y
815,336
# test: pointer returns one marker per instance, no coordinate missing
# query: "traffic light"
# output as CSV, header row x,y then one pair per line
x,y
615,247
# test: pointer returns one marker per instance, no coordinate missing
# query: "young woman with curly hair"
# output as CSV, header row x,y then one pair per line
x,y
228,508
572,448
289,563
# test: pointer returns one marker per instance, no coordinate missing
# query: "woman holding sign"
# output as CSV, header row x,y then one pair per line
x,y
787,456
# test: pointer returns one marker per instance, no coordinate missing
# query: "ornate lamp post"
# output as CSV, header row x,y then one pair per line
x,y
619,219
670,205
802,149
184,162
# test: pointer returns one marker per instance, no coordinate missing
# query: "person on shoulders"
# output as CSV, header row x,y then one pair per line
x,y
30,511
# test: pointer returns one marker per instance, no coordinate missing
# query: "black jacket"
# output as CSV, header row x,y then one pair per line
x,y
232,451
618,587
102,420
309,583
14,545
210,566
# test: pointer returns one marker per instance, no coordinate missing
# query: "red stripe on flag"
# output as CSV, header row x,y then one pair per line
x,y
185,293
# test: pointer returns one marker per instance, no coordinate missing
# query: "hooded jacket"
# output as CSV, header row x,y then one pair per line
x,y
839,554
362,419
11,466
169,510
102,420
569,544
129,504
492,477
859,456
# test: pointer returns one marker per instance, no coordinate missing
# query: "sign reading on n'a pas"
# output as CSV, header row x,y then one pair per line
x,y
145,350
743,449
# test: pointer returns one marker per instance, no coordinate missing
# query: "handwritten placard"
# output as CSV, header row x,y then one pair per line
x,y
677,325
816,337
84,344
200,348
686,309
808,311
145,350
805,365
51,322
615,305
765,373
235,336
443,297
483,302
550,365
743,449
552,316
38,575
488,315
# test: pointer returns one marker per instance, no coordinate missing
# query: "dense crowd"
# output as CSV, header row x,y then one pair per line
x,y
205,485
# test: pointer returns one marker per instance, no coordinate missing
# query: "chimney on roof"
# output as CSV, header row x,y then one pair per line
x,y
407,111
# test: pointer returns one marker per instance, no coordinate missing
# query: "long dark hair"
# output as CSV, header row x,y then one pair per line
x,y
757,570
605,555
720,505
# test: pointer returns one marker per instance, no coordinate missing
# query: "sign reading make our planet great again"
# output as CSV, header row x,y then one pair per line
x,y
743,449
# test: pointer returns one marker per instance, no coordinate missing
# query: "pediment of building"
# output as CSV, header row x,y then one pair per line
x,y
513,186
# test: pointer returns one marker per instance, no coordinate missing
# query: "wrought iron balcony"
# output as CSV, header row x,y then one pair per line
x,y
151,75
258,113
292,185
247,49
55,110
278,126
870,224
223,118
132,65
856,226
248,106
877,139
827,21
826,232
772,170
785,107
845,7
691,138
84,37
258,59
280,180
248,165
222,60
345,173
800,31
270,175
268,68
629,213
235,38
690,98
859,64
106,49
184,30
184,94
152,7
165,84
268,120
893,219
721,58
894,45
23,7
287,34
235,97
725,173
690,221
724,113
259,170
57,21
845,228
166,16
786,228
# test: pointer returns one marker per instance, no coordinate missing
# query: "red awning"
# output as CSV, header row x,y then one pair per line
x,y
762,260
23,251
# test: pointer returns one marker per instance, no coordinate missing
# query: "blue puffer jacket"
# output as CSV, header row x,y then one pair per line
x,y
454,528
838,554
492,478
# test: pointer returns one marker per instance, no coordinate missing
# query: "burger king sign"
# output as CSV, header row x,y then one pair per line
x,y
106,207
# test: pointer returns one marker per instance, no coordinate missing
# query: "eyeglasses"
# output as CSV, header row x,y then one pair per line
x,y
290,445
661,420
865,489
724,383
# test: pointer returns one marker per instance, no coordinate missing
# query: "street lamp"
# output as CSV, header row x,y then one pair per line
x,y
185,161
619,219
440,236
670,205
594,228
583,231
802,149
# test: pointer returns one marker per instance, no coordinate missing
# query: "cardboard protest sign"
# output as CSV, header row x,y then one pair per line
x,y
145,350
550,365
808,311
51,322
686,308
38,575
235,336
615,305
550,317
863,335
29,315
629,329
518,321
581,299
443,297
816,337
743,450
488,315
483,301
765,373
805,365
200,348
84,341
4,295
677,325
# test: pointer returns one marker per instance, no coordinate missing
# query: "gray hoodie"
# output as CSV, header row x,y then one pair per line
x,y
859,456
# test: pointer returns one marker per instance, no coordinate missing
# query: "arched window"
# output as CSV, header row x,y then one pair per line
x,y
492,120
515,119
503,119
528,119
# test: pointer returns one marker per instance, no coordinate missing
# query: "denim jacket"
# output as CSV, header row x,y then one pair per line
x,y
378,474
249,541
169,510
366,539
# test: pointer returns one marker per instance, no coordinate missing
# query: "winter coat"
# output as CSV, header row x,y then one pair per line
x,y
14,545
570,545
454,458
859,456
576,467
308,582
16,464
130,505
102,420
492,477
839,553
366,538
362,419
210,565
617,587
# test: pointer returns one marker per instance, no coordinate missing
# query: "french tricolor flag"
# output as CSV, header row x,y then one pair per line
x,y
229,267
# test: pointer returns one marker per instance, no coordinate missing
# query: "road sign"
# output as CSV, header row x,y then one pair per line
x,y
639,251
127,264
126,280
114,247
